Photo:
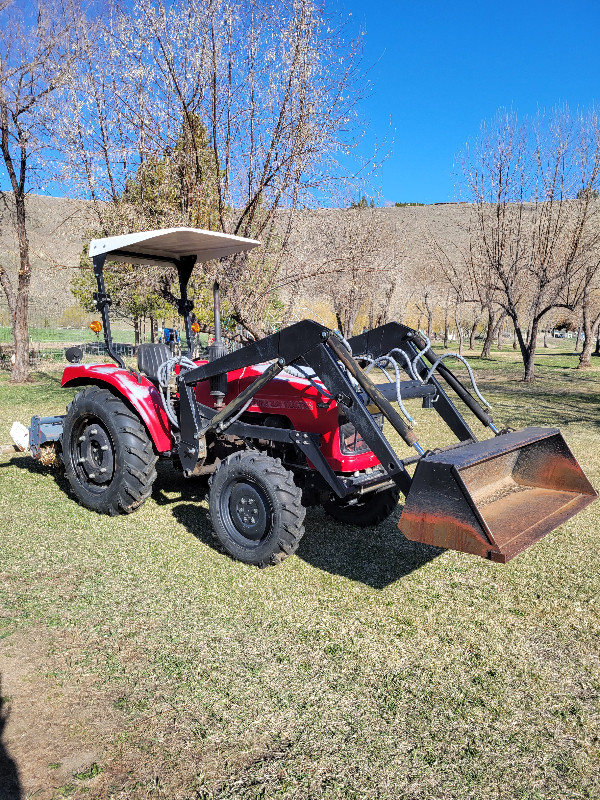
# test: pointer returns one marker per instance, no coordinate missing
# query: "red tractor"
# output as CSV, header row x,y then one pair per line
x,y
294,420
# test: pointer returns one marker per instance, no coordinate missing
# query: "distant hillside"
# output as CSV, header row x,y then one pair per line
x,y
57,228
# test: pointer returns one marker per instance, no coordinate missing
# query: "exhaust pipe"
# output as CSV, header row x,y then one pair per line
x,y
218,383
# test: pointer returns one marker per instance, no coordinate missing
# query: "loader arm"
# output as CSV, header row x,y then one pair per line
x,y
322,350
314,345
492,498
382,340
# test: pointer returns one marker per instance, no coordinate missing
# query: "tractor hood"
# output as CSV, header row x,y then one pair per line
x,y
169,245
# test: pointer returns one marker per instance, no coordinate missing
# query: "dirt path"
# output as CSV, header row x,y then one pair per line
x,y
52,733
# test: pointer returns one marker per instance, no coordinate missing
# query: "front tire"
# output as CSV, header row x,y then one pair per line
x,y
369,509
109,458
256,508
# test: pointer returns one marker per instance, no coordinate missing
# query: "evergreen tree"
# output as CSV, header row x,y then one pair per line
x,y
172,191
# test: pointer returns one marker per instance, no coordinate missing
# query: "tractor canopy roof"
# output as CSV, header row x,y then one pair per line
x,y
169,245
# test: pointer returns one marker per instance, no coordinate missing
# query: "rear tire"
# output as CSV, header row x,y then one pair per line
x,y
109,458
370,509
256,508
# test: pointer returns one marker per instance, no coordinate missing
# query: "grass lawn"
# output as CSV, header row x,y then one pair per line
x,y
137,661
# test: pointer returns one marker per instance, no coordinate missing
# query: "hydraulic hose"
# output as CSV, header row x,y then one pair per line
x,y
452,381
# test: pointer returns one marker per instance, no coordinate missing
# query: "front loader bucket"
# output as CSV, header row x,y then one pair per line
x,y
497,497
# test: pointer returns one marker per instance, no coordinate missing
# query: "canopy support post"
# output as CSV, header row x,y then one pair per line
x,y
103,301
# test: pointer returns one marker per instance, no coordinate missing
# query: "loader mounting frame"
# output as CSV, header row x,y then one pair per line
x,y
321,350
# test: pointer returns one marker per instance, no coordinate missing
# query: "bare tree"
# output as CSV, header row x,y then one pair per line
x,y
355,258
531,234
36,56
273,84
469,278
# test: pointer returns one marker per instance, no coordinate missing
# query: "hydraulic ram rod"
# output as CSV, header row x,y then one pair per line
x,y
369,387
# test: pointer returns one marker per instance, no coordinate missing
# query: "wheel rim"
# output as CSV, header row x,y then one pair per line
x,y
92,454
246,512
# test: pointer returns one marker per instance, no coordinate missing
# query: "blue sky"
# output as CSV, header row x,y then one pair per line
x,y
437,69
440,68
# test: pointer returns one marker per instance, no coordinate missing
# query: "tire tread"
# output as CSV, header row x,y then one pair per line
x,y
133,483
291,527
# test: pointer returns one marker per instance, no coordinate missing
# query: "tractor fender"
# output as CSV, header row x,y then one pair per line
x,y
142,395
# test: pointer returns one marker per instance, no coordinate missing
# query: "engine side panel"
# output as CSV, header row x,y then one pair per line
x,y
306,408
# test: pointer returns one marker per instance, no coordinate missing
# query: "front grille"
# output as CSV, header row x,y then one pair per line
x,y
351,441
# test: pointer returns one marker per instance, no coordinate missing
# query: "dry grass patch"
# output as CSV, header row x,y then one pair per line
x,y
363,666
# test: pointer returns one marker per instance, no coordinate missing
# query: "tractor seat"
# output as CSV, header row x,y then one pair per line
x,y
150,357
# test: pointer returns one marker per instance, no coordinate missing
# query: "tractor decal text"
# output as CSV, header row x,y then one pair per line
x,y
302,405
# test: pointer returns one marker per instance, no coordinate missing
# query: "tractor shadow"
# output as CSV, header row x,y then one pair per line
x,y
171,487
185,495
376,556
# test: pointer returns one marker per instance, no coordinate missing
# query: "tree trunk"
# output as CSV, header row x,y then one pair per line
x,y
528,349
20,369
350,323
372,315
586,352
497,329
136,330
546,338
152,329
489,334
515,344
577,339
429,324
500,329
459,333
338,319
597,350
472,336
528,362
588,332
18,300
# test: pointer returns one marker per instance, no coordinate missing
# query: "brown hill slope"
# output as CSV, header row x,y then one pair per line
x,y
57,228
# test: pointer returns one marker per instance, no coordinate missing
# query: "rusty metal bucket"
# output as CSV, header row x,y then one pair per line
x,y
497,497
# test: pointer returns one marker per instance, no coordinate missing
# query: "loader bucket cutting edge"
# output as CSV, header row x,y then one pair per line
x,y
497,497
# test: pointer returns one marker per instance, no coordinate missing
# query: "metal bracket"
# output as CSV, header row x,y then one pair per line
x,y
42,430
